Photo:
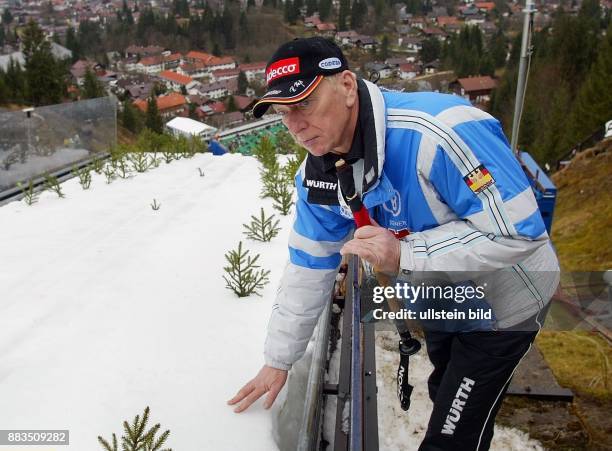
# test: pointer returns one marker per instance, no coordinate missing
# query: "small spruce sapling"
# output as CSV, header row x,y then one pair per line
x,y
244,276
29,195
109,172
52,184
84,176
262,228
155,206
283,199
137,438
140,161
98,165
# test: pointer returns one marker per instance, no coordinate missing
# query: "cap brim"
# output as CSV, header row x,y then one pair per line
x,y
286,93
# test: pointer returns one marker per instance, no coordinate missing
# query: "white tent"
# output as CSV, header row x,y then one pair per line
x,y
189,127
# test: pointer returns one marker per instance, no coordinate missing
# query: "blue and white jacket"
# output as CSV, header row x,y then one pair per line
x,y
434,166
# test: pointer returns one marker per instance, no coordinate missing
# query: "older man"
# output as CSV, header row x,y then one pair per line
x,y
446,193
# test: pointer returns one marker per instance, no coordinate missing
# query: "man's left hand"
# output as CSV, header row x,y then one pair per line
x,y
377,246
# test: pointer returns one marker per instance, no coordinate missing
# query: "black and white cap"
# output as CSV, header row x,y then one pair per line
x,y
297,68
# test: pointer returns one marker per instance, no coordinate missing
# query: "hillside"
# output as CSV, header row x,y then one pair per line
x,y
583,214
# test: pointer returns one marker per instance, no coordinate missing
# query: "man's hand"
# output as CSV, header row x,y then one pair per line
x,y
376,245
268,380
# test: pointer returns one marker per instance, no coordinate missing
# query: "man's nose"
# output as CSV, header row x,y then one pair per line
x,y
294,122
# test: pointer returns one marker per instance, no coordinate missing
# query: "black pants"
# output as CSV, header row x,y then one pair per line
x,y
471,374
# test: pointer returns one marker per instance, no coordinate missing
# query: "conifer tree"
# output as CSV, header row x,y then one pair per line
x,y
128,117
243,83
325,7
92,88
244,275
343,14
311,7
136,437
593,105
262,228
153,120
358,14
44,75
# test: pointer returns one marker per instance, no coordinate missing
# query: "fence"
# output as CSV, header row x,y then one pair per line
x,y
46,139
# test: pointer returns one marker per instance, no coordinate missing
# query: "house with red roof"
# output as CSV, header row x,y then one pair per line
x,y
173,104
476,89
224,74
175,81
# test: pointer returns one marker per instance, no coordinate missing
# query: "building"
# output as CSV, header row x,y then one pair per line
x,y
254,71
224,74
172,104
407,71
150,65
175,81
184,126
476,89
210,62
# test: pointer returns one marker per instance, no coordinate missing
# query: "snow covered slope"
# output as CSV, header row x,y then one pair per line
x,y
108,306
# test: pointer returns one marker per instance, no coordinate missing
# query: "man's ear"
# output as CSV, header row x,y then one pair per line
x,y
349,86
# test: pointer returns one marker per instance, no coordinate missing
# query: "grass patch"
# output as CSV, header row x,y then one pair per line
x,y
583,213
580,360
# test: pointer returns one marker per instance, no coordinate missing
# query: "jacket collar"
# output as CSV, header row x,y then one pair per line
x,y
368,149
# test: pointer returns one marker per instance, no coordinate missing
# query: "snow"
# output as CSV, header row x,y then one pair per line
x,y
109,306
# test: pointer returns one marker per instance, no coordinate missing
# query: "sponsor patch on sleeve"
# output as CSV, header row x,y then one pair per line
x,y
479,179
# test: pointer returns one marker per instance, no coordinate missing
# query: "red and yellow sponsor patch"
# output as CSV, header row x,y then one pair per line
x,y
479,179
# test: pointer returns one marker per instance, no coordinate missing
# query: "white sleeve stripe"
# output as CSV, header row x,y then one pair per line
x,y
315,248
461,155
454,240
426,154
461,114
521,206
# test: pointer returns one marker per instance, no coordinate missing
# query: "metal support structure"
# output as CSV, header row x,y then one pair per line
x,y
356,411
529,12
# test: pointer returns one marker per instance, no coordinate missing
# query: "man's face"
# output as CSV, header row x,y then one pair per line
x,y
319,122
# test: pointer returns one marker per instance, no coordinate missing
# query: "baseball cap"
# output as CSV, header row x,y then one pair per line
x,y
297,68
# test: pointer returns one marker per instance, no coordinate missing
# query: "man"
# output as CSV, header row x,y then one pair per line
x,y
434,172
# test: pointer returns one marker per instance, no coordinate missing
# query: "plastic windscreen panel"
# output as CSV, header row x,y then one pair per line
x,y
50,138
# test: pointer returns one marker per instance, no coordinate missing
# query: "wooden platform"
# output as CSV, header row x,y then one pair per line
x,y
534,379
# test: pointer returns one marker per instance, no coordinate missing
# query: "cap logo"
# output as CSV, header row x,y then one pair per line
x,y
271,93
296,84
330,63
283,68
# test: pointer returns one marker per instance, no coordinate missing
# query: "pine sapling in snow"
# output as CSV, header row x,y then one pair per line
x,y
109,172
155,206
84,176
29,195
244,276
265,152
98,165
283,198
272,177
140,161
121,167
52,184
137,438
261,228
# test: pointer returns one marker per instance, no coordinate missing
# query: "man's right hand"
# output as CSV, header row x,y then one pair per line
x,y
268,380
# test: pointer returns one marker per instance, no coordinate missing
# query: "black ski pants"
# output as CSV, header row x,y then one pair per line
x,y
472,371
